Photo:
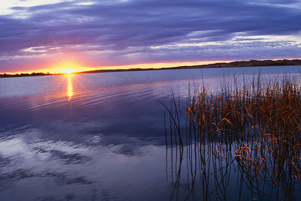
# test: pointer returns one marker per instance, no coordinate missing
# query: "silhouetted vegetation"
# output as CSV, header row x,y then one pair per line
x,y
250,63
252,126
3,75
215,65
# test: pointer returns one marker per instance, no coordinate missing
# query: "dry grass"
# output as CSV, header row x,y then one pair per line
x,y
262,121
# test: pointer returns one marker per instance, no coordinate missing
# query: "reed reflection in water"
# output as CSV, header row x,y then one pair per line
x,y
248,137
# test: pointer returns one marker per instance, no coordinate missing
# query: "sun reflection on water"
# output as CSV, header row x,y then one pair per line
x,y
70,86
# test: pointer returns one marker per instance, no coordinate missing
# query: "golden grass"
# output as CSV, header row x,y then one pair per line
x,y
261,119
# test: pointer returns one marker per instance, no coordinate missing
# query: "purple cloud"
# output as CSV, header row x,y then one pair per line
x,y
135,31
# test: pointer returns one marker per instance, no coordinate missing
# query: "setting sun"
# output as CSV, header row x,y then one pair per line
x,y
68,71
67,67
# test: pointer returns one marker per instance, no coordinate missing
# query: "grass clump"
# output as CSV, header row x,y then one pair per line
x,y
258,120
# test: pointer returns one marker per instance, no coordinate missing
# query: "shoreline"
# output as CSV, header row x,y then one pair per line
x,y
235,64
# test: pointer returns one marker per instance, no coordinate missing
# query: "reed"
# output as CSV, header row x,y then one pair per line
x,y
255,122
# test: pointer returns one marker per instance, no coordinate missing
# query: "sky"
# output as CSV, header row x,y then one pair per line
x,y
52,35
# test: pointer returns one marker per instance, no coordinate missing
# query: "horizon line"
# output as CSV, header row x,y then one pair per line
x,y
133,67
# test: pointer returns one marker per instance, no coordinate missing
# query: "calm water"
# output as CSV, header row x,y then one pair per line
x,y
101,137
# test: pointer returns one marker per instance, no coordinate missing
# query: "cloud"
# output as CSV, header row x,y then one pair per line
x,y
126,32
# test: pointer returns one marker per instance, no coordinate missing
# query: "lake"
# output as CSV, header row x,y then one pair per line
x,y
102,137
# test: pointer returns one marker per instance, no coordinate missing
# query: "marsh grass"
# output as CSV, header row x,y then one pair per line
x,y
254,123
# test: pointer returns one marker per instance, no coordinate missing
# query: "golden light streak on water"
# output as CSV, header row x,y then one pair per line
x,y
70,86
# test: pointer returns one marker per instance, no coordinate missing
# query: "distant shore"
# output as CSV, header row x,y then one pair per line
x,y
251,63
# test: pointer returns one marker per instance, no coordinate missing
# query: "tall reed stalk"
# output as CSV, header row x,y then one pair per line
x,y
256,123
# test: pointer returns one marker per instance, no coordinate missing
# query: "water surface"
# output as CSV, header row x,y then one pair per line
x,y
101,136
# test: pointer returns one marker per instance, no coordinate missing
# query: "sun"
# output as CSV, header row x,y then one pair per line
x,y
67,67
68,70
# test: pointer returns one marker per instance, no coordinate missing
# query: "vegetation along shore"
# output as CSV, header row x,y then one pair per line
x,y
251,63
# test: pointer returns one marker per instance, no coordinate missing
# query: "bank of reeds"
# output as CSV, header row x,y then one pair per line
x,y
259,121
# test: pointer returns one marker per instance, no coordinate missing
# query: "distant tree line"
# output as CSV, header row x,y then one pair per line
x,y
26,74
284,62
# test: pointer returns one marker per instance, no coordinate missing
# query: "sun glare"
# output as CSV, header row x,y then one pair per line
x,y
68,71
67,67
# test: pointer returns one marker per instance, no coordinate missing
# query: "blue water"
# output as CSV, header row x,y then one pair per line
x,y
101,136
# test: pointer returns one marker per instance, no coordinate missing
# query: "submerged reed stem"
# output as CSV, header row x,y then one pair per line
x,y
261,119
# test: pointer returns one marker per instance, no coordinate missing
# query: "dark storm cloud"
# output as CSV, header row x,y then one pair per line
x,y
132,27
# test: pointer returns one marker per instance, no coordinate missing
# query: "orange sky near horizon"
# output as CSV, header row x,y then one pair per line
x,y
67,67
